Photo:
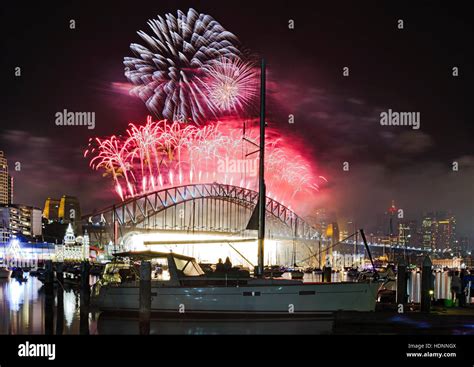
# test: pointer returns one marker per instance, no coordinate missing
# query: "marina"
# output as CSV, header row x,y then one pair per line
x,y
22,310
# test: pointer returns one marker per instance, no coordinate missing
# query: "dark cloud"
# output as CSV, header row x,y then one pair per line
x,y
49,167
386,163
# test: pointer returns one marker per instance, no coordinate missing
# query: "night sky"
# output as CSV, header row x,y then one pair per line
x,y
337,118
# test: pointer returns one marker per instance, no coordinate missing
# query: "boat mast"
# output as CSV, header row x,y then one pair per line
x,y
261,175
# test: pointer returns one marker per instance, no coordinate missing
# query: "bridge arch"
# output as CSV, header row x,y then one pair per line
x,y
195,207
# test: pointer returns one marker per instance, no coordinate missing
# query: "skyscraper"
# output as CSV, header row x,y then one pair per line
x,y
408,235
10,189
439,231
429,230
4,180
446,232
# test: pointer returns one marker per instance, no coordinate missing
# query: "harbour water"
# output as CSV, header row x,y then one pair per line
x,y
22,311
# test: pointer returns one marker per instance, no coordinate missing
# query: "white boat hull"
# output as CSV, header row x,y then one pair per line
x,y
280,299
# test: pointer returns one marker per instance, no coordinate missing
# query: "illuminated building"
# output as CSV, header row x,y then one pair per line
x,y
4,234
21,219
69,209
69,237
73,248
446,233
60,212
428,226
392,224
439,231
332,232
10,189
465,244
408,234
5,192
51,209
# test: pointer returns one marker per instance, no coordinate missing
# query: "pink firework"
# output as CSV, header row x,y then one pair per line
x,y
161,154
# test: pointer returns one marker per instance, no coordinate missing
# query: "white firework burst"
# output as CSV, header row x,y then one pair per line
x,y
231,84
167,71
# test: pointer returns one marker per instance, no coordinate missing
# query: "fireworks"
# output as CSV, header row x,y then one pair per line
x,y
191,73
168,71
231,84
161,154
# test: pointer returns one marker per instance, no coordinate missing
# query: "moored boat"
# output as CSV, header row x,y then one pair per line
x,y
182,286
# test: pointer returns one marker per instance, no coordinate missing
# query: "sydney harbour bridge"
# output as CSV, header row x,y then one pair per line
x,y
207,221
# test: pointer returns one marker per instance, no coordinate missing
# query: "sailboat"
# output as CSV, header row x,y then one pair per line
x,y
179,285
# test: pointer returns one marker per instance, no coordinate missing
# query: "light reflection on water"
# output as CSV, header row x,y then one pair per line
x,y
22,308
22,311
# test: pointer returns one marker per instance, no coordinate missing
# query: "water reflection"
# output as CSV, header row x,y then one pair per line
x,y
22,309
110,324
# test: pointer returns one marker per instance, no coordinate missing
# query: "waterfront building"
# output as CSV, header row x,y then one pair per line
x,y
69,237
73,248
18,219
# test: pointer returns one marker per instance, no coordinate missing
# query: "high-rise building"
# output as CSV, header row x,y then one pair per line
x,y
10,189
446,233
332,232
465,244
429,230
5,198
439,231
321,219
392,223
408,234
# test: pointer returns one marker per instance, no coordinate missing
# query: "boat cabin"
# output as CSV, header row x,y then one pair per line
x,y
173,270
169,269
